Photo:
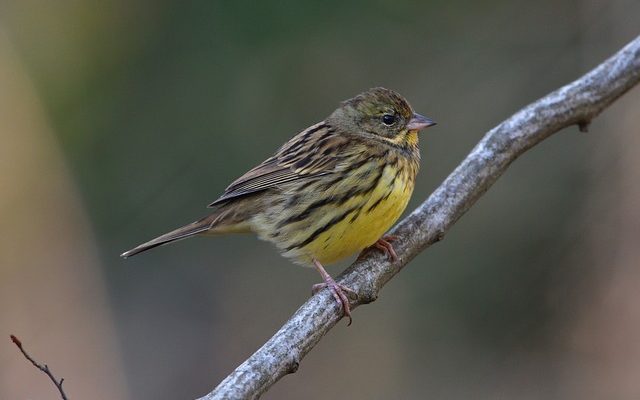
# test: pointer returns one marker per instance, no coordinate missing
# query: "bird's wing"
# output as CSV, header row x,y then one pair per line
x,y
312,153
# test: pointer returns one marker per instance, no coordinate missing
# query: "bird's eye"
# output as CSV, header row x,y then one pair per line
x,y
388,119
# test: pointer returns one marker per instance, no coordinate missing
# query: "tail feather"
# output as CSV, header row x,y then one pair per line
x,y
184,232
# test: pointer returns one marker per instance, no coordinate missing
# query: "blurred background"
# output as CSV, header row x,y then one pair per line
x,y
121,120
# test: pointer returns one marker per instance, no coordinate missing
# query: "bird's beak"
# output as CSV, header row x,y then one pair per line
x,y
419,122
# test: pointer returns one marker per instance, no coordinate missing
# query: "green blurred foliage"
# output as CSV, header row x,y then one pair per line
x,y
159,105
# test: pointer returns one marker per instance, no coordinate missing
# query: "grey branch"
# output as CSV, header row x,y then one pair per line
x,y
574,104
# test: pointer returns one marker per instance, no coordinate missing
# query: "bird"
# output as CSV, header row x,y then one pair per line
x,y
331,191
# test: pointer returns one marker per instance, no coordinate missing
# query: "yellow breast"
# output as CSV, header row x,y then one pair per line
x,y
370,219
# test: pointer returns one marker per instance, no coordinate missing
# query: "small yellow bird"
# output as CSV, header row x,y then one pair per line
x,y
332,190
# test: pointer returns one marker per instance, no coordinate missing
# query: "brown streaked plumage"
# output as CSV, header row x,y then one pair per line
x,y
330,191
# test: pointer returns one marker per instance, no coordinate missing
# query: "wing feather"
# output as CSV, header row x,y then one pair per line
x,y
310,154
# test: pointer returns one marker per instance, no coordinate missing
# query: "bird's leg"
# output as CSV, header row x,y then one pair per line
x,y
384,244
339,291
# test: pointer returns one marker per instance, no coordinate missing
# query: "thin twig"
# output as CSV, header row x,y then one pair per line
x,y
574,104
42,367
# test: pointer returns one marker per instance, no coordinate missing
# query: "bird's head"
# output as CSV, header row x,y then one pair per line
x,y
380,112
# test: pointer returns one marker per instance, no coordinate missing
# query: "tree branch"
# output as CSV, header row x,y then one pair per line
x,y
42,367
574,104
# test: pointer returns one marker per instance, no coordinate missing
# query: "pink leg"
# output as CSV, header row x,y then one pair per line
x,y
339,291
384,244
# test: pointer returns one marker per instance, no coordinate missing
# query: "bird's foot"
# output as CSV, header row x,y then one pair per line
x,y
384,244
340,292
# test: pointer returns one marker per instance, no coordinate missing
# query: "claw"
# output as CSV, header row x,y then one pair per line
x,y
351,294
339,292
384,244
391,238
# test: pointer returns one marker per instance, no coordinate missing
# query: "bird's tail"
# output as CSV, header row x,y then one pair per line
x,y
234,218
195,228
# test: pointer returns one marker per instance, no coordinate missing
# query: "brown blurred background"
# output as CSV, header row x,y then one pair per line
x,y
120,120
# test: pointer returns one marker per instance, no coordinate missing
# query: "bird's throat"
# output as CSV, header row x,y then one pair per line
x,y
412,138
